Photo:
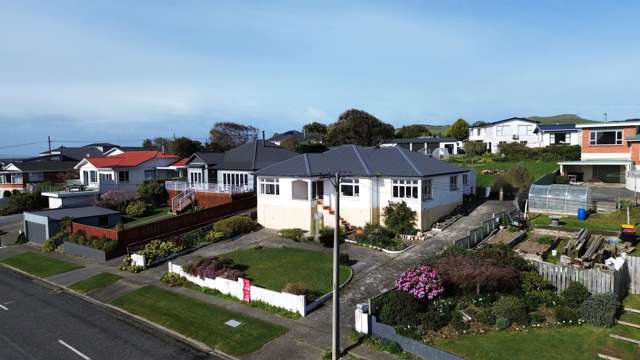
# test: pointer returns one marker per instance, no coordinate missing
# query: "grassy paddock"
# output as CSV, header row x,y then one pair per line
x,y
273,268
95,282
600,221
537,168
40,265
199,320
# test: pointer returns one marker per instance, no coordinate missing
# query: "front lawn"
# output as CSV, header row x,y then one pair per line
x,y
95,282
537,168
199,320
40,265
566,343
600,221
156,214
274,268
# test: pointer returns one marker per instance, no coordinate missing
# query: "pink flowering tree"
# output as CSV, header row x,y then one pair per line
x,y
423,282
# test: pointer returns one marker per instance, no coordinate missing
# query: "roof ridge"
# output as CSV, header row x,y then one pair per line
x,y
255,154
409,161
306,164
364,165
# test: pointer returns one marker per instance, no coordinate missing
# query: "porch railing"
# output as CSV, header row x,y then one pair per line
x,y
207,187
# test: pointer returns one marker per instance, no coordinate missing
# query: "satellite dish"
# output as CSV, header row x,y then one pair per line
x,y
440,153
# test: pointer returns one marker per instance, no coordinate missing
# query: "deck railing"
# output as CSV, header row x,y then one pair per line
x,y
207,187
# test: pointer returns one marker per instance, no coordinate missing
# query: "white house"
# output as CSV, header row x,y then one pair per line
x,y
122,172
510,130
427,145
559,134
200,167
299,193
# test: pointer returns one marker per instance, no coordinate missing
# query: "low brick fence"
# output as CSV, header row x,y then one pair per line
x,y
166,227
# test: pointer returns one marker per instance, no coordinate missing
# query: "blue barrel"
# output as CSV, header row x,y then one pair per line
x,y
582,214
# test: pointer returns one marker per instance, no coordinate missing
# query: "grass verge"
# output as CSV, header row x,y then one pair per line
x,y
199,320
40,265
95,282
274,268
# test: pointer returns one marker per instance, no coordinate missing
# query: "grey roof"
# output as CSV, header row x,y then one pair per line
x,y
298,135
557,127
426,139
254,155
76,153
208,157
75,212
362,161
485,123
44,165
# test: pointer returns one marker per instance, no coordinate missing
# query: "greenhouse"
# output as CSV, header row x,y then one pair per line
x,y
559,199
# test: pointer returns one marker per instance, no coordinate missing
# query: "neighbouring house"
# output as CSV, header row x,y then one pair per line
x,y
427,145
298,192
214,178
559,134
41,225
24,175
610,153
200,167
123,172
515,129
291,134
74,153
117,150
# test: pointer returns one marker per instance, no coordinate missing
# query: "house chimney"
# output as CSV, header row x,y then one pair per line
x,y
263,141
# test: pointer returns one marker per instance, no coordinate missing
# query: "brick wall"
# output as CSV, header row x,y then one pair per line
x,y
624,148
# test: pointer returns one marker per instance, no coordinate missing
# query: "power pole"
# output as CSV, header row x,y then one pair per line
x,y
335,333
49,141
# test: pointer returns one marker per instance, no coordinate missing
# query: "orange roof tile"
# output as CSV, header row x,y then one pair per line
x,y
128,159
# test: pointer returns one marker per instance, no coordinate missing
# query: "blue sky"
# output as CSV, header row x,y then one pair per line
x,y
125,70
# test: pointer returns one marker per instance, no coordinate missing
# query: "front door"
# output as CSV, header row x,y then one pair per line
x,y
317,189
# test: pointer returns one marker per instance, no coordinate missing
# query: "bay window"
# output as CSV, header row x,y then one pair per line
x,y
405,189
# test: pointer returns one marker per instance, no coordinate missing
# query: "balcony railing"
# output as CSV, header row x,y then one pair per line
x,y
207,187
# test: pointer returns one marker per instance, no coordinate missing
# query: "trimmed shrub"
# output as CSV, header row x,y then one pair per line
x,y
326,236
213,267
575,294
173,279
214,236
504,255
502,323
399,308
565,315
138,209
512,309
485,316
48,245
400,218
193,238
157,249
293,234
153,192
127,265
6,194
600,309
296,288
423,282
235,225
475,148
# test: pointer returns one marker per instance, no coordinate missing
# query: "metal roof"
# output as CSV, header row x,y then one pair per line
x,y
254,155
43,165
485,123
362,161
557,127
74,212
208,157
426,139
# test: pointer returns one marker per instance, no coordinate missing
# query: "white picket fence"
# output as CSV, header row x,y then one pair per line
x,y
291,302
598,281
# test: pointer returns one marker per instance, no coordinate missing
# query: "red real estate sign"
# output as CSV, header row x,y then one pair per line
x,y
246,290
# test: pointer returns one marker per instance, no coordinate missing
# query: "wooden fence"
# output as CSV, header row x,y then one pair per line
x,y
486,228
598,281
633,265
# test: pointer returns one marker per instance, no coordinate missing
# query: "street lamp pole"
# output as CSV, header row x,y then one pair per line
x,y
335,333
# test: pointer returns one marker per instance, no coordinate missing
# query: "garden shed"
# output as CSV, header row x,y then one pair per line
x,y
41,225
559,199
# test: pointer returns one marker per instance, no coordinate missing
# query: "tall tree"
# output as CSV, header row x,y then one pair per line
x,y
162,144
412,131
459,130
226,135
315,131
358,127
184,147
147,143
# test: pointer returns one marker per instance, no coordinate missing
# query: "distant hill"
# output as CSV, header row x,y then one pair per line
x,y
561,119
438,129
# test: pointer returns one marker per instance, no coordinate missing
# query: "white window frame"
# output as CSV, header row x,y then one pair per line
x,y
93,176
453,183
270,186
593,137
427,189
404,189
354,184
465,179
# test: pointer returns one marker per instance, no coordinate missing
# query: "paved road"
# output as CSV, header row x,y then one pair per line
x,y
39,323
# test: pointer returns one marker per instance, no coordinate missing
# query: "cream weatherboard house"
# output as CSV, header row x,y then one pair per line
x,y
298,192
